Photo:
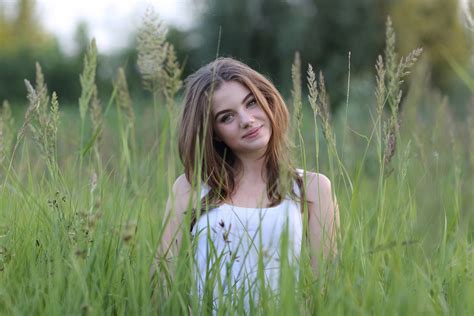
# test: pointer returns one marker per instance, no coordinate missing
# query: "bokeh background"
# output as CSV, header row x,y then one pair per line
x,y
84,187
265,34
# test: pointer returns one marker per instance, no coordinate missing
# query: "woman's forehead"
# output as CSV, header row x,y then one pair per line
x,y
229,93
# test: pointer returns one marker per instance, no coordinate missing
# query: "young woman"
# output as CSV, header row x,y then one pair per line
x,y
240,185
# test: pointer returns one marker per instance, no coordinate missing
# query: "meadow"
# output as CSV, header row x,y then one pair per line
x,y
83,192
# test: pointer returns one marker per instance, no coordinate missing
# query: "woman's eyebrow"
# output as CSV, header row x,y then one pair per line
x,y
226,110
246,97
220,112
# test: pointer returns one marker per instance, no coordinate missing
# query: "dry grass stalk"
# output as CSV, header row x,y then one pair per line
x,y
6,132
324,100
43,124
313,89
319,101
391,129
32,105
324,106
296,92
124,103
390,56
152,50
87,79
42,93
380,90
389,79
172,77
31,117
52,127
96,119
408,62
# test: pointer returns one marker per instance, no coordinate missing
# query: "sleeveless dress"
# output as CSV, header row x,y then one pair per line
x,y
230,242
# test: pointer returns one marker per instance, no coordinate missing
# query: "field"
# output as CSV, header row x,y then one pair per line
x,y
83,190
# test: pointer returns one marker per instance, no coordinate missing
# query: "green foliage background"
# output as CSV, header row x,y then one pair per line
x,y
265,34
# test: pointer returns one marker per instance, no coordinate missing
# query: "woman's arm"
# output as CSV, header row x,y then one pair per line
x,y
176,206
323,216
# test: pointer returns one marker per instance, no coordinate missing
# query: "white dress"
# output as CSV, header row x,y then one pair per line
x,y
230,240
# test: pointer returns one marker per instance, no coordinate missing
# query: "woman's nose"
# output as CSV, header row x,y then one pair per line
x,y
246,119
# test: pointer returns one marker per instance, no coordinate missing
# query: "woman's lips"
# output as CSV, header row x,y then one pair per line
x,y
253,132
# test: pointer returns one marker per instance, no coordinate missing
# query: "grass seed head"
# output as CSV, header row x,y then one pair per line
x,y
124,101
152,50
6,131
313,89
390,53
391,131
296,92
389,79
125,106
319,101
52,128
96,119
31,118
380,90
43,126
408,62
323,99
42,94
87,78
172,80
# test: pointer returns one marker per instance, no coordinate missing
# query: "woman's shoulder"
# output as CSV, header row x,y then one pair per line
x,y
312,176
181,185
316,184
183,190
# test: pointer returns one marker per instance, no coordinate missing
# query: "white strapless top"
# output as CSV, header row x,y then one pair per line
x,y
230,240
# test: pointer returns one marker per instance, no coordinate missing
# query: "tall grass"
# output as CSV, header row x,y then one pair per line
x,y
82,200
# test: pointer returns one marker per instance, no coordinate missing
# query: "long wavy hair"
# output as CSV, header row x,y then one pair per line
x,y
210,161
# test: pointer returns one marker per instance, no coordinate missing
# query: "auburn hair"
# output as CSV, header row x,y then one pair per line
x,y
210,161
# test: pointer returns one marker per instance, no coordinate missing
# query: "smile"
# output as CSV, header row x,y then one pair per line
x,y
253,132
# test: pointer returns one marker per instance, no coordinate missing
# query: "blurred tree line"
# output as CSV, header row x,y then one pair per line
x,y
23,42
266,34
263,33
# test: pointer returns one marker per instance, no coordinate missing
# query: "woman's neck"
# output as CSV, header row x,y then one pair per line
x,y
251,170
250,186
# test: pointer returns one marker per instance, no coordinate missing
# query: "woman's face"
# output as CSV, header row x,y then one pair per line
x,y
239,121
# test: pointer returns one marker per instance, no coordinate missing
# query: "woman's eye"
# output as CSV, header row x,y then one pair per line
x,y
226,118
251,103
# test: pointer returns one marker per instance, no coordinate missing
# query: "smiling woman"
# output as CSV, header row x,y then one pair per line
x,y
239,122
234,147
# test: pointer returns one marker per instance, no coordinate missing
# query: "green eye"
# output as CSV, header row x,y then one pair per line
x,y
251,103
226,118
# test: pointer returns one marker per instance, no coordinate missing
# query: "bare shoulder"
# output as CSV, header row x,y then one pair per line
x,y
323,215
181,185
183,194
317,186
